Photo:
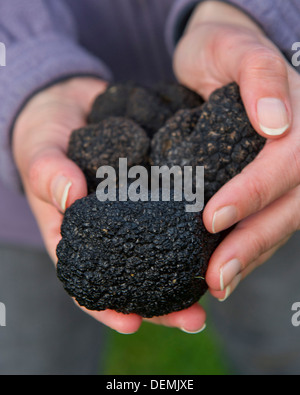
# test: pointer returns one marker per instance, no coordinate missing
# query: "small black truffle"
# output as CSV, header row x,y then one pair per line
x,y
148,107
104,143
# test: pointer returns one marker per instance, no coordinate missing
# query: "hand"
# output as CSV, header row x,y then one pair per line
x,y
52,182
221,45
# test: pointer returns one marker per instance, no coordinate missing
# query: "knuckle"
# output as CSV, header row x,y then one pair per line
x,y
258,242
34,171
260,61
38,168
261,243
257,193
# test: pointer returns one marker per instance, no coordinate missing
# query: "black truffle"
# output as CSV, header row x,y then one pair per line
x,y
151,257
147,258
218,136
104,143
111,103
148,107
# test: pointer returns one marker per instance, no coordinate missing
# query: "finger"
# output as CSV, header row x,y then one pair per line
x,y
262,74
252,238
224,295
123,323
202,63
49,221
258,185
190,320
55,179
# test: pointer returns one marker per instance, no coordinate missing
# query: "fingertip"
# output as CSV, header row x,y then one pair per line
x,y
196,331
75,188
124,324
213,278
265,92
130,326
55,179
270,116
67,186
60,191
190,320
273,117
221,212
224,294
221,296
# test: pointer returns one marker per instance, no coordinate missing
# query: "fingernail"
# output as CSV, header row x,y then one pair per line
x,y
60,192
273,116
194,332
224,218
228,272
230,288
126,333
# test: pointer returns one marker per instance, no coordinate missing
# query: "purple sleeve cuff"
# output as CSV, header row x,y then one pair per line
x,y
279,19
177,20
30,67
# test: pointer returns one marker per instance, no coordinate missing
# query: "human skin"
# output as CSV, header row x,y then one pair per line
x,y
221,45
52,182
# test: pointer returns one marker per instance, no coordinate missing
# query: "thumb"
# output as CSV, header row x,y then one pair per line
x,y
263,79
41,136
55,179
213,55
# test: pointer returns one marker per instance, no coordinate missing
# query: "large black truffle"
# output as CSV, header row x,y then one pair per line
x,y
147,258
150,257
148,107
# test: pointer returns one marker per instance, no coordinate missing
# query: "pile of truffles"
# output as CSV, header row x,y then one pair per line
x,y
149,257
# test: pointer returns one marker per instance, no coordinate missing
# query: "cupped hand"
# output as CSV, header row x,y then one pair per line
x,y
221,45
52,182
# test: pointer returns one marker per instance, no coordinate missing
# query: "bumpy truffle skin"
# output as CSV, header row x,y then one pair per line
x,y
150,108
218,136
147,258
111,103
178,97
104,143
147,110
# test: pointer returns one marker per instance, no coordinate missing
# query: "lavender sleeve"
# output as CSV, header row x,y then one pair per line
x,y
40,42
279,19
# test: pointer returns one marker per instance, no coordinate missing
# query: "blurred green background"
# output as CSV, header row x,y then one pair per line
x,y
159,350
